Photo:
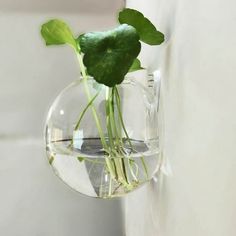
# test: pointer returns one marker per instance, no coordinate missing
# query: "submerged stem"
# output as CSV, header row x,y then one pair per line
x,y
116,156
121,117
84,111
125,131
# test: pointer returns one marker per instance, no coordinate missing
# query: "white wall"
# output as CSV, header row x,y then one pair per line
x,y
33,201
32,74
69,6
198,70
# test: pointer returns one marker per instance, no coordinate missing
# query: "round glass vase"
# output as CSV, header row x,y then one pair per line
x,y
101,141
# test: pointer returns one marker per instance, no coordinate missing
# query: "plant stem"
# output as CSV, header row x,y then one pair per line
x,y
84,111
145,167
121,118
96,118
114,138
126,133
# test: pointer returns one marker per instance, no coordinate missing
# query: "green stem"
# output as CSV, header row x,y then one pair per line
x,y
145,167
84,111
125,131
118,136
81,159
96,118
121,117
113,135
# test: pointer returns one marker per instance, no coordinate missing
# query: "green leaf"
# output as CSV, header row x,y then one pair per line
x,y
51,159
81,159
56,32
136,66
109,55
147,31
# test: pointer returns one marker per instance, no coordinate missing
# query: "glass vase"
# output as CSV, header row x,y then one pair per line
x,y
103,142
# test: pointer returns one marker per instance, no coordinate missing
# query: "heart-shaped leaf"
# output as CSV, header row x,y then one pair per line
x,y
147,31
109,55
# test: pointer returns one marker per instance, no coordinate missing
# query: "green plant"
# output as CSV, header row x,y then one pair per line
x,y
107,57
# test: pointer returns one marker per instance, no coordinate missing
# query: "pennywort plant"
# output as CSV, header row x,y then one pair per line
x,y
107,57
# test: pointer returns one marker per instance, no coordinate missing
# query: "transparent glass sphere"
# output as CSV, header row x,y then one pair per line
x,y
103,142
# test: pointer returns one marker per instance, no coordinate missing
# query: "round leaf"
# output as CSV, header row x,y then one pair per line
x,y
57,32
147,31
109,55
